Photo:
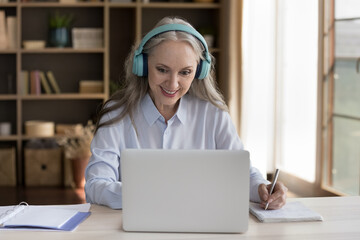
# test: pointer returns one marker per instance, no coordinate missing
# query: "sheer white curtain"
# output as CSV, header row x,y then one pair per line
x,y
297,80
279,85
258,83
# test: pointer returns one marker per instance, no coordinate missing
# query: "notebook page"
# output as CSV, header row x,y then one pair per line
x,y
291,212
7,213
85,207
41,217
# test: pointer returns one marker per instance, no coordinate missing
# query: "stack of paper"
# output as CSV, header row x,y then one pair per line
x,y
291,212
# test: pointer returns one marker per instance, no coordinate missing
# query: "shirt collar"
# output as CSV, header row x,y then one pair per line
x,y
181,113
149,109
152,114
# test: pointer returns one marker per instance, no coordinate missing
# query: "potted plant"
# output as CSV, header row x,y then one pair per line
x,y
59,29
76,143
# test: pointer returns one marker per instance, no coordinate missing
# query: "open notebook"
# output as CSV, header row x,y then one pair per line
x,y
46,217
291,212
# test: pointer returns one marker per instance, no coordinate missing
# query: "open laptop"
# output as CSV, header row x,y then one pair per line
x,y
185,190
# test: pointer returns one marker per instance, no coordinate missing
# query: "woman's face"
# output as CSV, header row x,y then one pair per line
x,y
171,70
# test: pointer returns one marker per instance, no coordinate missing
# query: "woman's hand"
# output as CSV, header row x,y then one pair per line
x,y
277,199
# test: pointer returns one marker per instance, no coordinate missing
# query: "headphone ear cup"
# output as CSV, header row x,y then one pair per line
x,y
198,70
145,64
202,70
140,65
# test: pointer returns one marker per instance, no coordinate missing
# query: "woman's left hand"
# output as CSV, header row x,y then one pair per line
x,y
277,199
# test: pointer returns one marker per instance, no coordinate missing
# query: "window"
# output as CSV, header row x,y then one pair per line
x,y
341,99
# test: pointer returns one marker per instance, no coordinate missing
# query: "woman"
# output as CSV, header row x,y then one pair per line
x,y
169,101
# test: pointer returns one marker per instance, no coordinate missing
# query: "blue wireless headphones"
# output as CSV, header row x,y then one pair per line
x,y
140,64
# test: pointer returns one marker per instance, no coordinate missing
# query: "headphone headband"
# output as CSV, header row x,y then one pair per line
x,y
139,64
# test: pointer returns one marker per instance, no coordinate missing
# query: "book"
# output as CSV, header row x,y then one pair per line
x,y
35,85
291,212
47,217
53,82
11,22
44,83
3,34
24,81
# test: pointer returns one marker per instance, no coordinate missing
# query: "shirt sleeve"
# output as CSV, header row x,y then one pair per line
x,y
226,137
103,184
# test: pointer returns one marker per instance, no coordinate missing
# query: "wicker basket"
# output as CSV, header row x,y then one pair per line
x,y
43,167
7,167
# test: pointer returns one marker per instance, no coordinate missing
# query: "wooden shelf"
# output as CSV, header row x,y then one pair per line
x,y
122,5
8,97
8,51
63,96
122,23
10,4
60,5
26,137
8,138
64,50
180,5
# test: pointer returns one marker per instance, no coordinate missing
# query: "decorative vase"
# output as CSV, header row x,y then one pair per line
x,y
59,37
78,166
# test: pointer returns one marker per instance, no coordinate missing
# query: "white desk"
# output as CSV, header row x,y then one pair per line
x,y
341,221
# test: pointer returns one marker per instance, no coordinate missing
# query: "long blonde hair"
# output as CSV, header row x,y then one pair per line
x,y
135,88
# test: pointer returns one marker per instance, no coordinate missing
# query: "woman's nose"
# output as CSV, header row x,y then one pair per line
x,y
173,81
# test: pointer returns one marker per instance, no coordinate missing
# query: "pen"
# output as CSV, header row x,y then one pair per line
x,y
273,185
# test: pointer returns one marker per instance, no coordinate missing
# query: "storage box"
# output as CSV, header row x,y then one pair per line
x,y
7,167
62,129
43,167
88,86
34,44
39,128
87,38
5,128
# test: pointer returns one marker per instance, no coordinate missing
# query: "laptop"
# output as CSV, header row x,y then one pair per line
x,y
185,190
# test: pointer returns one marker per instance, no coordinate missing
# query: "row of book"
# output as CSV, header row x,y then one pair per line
x,y
37,82
8,33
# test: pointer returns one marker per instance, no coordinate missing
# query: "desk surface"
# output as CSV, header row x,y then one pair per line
x,y
341,221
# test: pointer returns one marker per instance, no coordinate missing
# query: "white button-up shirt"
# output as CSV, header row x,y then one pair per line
x,y
197,124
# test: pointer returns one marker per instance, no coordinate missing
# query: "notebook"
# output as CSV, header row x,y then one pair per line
x,y
47,217
185,190
291,212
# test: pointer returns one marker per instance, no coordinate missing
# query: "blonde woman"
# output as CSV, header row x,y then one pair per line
x,y
170,101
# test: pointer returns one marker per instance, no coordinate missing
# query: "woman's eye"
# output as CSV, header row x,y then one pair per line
x,y
185,72
162,70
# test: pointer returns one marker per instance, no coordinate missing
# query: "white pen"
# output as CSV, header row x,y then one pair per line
x,y
273,185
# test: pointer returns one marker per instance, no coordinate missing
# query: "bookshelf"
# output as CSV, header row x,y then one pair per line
x,y
123,22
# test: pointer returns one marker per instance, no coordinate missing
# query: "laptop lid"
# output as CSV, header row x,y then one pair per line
x,y
185,190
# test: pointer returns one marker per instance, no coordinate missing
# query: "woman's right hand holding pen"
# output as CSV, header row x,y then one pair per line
x,y
277,199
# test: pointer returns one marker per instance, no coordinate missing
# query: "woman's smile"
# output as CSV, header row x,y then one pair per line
x,y
168,93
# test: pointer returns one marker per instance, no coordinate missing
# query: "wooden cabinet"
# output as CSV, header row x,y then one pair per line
x,y
123,22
